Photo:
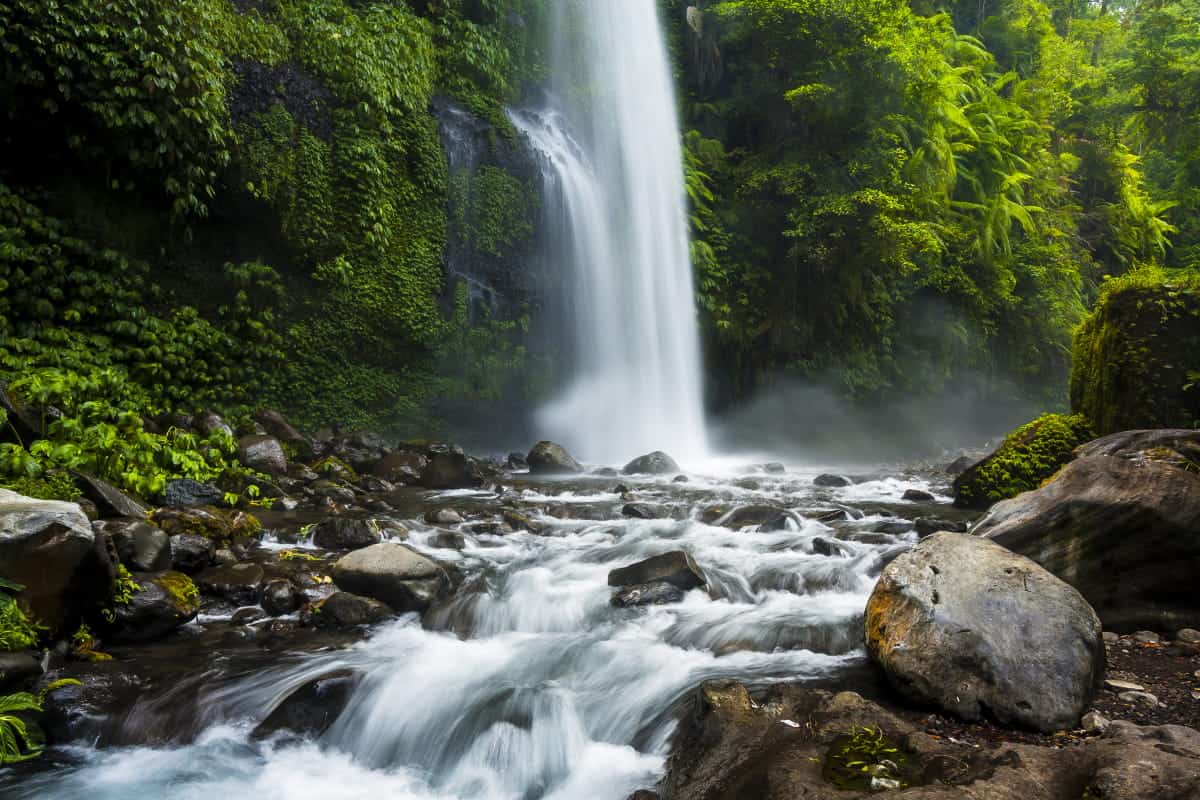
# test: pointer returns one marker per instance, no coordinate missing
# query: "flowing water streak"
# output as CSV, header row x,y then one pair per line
x,y
615,198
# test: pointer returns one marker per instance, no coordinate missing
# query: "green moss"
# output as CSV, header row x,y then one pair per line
x,y
1136,356
181,589
50,486
492,211
1029,455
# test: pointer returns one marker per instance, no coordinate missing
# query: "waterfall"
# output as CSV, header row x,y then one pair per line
x,y
615,204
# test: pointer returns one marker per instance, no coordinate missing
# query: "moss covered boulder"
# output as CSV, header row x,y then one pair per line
x,y
1028,456
162,603
212,523
1136,357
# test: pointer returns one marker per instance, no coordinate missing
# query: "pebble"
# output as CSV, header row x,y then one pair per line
x,y
1094,722
1123,686
1188,636
1111,638
1139,698
1146,637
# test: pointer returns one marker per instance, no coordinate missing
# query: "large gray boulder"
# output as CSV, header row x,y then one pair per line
x,y
49,547
393,574
548,458
962,623
1121,524
110,501
656,463
263,453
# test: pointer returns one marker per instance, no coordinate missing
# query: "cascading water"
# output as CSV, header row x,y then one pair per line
x,y
615,198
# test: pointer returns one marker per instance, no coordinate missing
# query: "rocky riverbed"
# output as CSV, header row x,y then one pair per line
x,y
538,629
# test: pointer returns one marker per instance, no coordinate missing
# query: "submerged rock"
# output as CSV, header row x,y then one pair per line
x,y
645,511
1123,528
647,594
548,458
676,568
393,573
961,623
656,463
313,707
280,597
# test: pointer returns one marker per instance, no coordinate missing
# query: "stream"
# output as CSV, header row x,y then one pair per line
x,y
527,684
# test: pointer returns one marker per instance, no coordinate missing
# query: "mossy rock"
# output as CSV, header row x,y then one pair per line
x,y
210,522
1028,457
1136,357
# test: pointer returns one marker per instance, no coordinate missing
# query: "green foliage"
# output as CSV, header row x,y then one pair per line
x,y
1028,457
492,211
51,485
98,429
181,590
84,645
21,739
125,587
17,632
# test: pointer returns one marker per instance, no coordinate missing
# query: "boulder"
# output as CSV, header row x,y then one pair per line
x,y
1028,456
312,708
184,492
275,424
342,533
237,583
141,546
191,554
831,481
443,516
548,458
208,423
519,521
516,462
829,547
404,467
645,511
163,603
222,527
264,454
394,574
656,463
1123,529
49,547
767,518
345,610
280,597
966,625
450,468
110,501
1135,356
647,594
918,496
676,568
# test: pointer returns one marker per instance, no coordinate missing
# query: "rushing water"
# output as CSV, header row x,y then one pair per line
x,y
528,684
616,210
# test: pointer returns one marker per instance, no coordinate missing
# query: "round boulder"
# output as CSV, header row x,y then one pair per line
x,y
548,458
161,604
656,463
962,623
394,574
340,533
263,453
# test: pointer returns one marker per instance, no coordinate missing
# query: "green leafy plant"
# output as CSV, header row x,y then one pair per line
x,y
17,632
296,555
858,759
22,740
84,645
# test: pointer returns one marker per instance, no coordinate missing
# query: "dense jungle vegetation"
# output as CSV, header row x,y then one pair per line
x,y
233,204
